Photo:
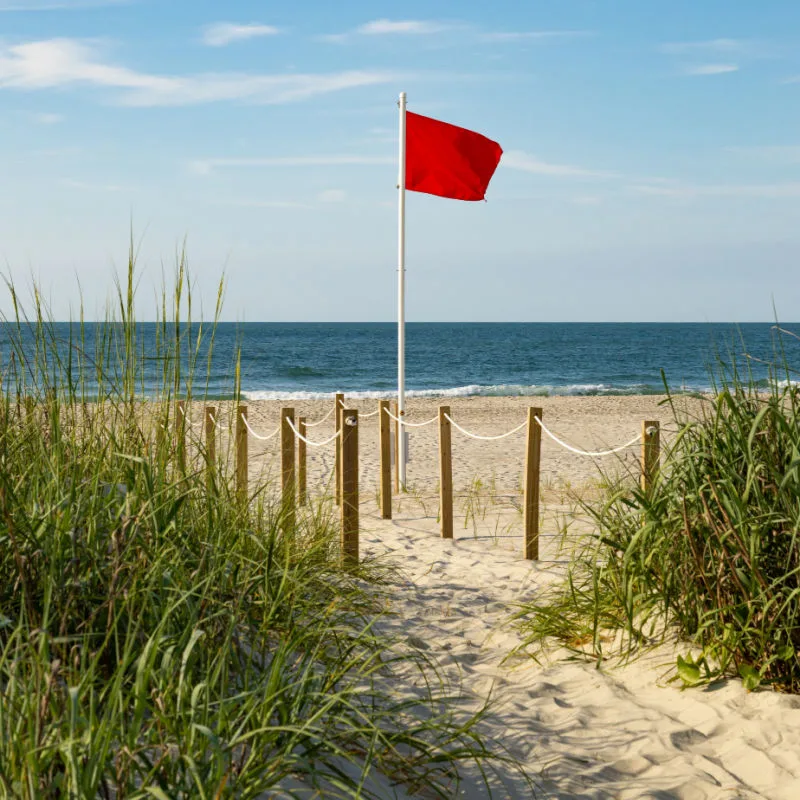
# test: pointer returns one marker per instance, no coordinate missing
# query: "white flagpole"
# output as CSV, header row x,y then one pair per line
x,y
401,294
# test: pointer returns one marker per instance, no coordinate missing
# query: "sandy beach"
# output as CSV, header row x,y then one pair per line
x,y
580,731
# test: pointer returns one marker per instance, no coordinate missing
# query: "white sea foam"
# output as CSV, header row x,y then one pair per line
x,y
477,390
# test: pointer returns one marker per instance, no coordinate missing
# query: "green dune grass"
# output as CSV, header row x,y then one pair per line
x,y
158,636
709,555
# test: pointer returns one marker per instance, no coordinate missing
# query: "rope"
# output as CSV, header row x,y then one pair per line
x,y
319,421
410,424
254,434
484,438
187,420
371,414
585,452
308,441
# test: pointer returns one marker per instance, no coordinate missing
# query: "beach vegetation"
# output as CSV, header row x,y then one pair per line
x,y
163,636
708,555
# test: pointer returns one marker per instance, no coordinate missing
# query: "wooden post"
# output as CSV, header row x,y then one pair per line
x,y
533,456
288,478
337,463
396,412
180,434
301,463
385,443
651,452
349,508
241,453
445,474
211,444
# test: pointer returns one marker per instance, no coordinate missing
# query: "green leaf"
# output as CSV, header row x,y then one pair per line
x,y
688,671
786,653
751,677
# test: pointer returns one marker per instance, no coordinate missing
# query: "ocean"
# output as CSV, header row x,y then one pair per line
x,y
312,360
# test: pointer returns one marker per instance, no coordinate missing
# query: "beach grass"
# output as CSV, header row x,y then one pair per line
x,y
709,555
162,637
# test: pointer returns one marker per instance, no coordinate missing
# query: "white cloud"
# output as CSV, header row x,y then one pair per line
x,y
689,191
524,162
416,27
206,166
57,5
389,27
56,63
223,33
332,196
708,46
710,69
516,36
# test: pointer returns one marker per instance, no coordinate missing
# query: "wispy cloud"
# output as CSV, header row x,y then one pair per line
x,y
525,162
55,63
220,34
57,5
519,36
710,69
208,165
707,46
414,27
390,27
691,191
419,27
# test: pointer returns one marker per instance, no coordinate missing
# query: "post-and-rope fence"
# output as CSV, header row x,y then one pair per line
x,y
295,441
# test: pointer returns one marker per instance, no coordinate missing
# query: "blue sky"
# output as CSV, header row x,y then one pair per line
x,y
651,167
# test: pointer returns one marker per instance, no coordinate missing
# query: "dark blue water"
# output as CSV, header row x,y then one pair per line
x,y
303,360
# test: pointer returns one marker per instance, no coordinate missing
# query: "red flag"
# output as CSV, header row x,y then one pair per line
x,y
448,161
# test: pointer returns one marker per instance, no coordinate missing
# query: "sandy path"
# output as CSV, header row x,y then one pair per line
x,y
580,732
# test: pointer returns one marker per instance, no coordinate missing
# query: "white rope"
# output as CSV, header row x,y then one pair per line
x,y
484,438
308,441
319,421
187,420
585,452
254,434
371,414
410,424
215,421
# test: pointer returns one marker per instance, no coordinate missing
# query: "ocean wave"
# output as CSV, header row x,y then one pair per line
x,y
478,390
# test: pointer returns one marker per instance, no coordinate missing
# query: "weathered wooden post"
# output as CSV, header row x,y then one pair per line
x,y
651,453
241,453
445,474
337,463
384,426
349,507
533,454
288,477
302,480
